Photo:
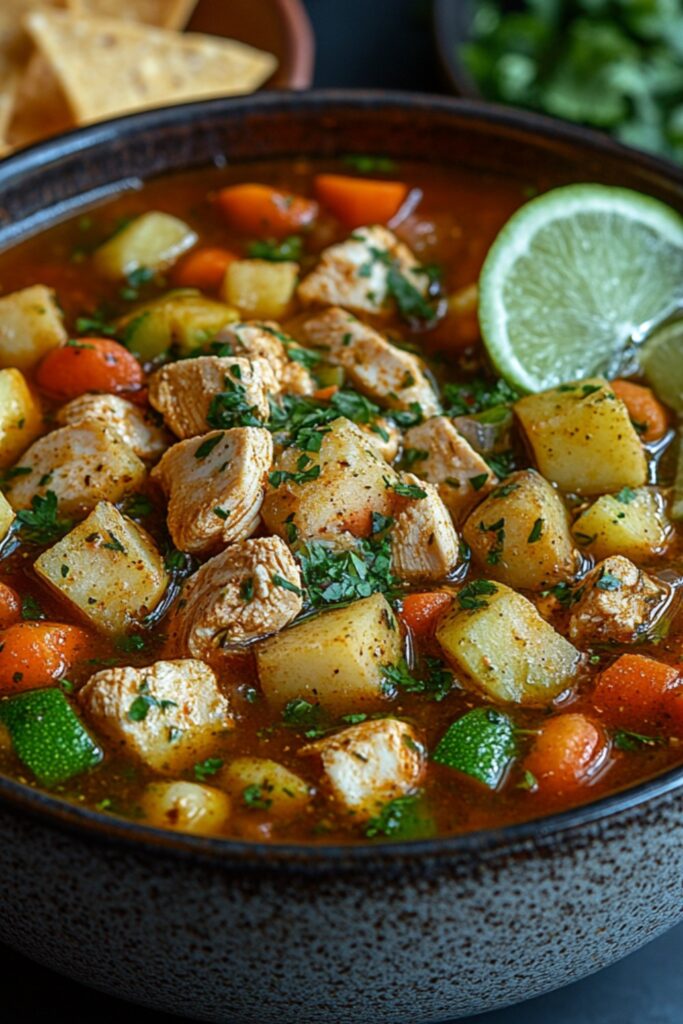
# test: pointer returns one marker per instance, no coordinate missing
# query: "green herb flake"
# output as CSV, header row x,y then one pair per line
x,y
536,532
203,770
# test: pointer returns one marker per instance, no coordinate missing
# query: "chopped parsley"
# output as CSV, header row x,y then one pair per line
x,y
31,609
536,531
305,472
40,524
476,396
231,407
626,495
471,595
608,582
364,163
206,447
290,248
413,455
247,590
498,530
145,700
477,482
131,644
331,577
405,490
302,715
138,506
434,680
255,798
630,741
401,818
205,769
280,581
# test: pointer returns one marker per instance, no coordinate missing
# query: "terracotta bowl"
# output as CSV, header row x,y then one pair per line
x,y
253,934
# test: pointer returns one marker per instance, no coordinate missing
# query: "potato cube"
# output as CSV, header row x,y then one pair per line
x,y
6,516
261,784
501,643
582,438
30,325
20,416
630,523
260,289
154,241
335,659
168,715
108,568
186,807
183,320
520,533
332,492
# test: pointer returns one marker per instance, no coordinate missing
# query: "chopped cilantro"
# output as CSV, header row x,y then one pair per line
x,y
405,490
608,582
206,447
205,769
401,818
536,531
255,798
331,577
470,597
626,495
290,248
630,741
40,524
138,710
31,609
231,408
476,396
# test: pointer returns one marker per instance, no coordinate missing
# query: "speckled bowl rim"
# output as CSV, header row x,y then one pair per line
x,y
317,857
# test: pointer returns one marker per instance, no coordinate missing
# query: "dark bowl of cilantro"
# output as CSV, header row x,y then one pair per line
x,y
612,66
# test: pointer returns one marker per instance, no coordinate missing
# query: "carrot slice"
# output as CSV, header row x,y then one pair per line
x,y
358,201
89,364
34,654
632,692
567,751
645,410
203,268
324,394
420,612
10,606
265,212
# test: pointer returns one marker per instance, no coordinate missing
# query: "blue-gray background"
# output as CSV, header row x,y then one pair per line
x,y
386,44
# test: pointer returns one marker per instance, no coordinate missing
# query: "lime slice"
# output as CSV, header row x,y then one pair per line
x,y
677,503
573,277
661,358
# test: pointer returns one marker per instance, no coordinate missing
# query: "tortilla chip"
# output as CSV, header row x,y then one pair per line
x,y
40,108
15,45
163,13
109,67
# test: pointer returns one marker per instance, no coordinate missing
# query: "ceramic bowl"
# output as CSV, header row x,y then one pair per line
x,y
254,934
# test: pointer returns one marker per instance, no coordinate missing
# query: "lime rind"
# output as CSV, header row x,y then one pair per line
x,y
574,277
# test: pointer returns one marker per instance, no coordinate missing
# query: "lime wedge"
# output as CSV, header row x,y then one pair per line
x,y
661,358
575,276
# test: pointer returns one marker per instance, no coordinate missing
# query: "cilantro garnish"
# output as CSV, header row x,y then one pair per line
x,y
290,248
40,524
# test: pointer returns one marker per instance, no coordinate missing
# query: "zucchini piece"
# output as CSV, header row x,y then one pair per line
x,y
154,241
48,737
405,817
481,744
182,319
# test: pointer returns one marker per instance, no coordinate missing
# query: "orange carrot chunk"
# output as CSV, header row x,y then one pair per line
x,y
34,654
325,394
203,269
647,412
632,692
420,612
10,606
89,364
566,754
359,201
264,211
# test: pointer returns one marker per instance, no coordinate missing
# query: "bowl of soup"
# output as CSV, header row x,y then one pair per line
x,y
339,664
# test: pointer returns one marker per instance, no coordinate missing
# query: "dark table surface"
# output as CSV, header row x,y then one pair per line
x,y
386,44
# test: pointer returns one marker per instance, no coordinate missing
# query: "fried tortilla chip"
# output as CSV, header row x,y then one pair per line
x,y
40,108
163,13
109,67
15,45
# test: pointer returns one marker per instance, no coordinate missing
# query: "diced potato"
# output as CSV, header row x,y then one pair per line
x,y
30,325
6,516
259,288
335,659
277,790
520,533
154,240
186,807
351,485
108,568
630,523
183,319
505,648
582,438
20,416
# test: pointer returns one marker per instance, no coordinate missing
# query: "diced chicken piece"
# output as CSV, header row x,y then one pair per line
x,y
385,437
184,392
370,764
138,428
256,339
250,590
215,485
424,543
617,601
169,715
82,465
354,273
446,459
385,373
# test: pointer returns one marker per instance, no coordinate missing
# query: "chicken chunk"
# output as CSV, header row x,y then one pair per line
x,y
617,601
355,273
424,543
383,372
212,391
250,590
81,464
138,428
371,763
168,715
256,339
443,457
215,485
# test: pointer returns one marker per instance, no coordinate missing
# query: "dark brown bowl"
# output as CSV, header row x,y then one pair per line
x,y
255,934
